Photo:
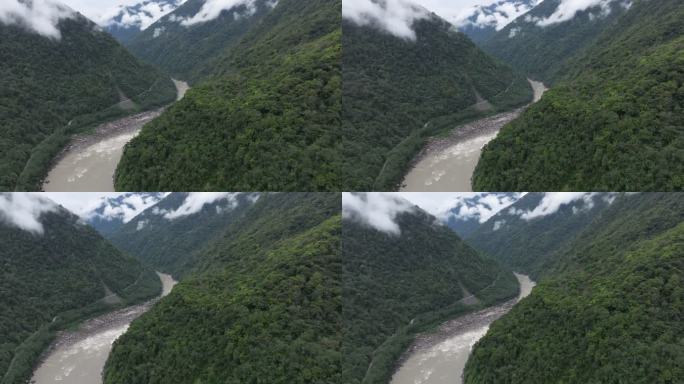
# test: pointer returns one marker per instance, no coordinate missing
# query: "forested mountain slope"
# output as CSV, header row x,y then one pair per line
x,y
167,237
395,285
538,46
263,305
267,119
611,313
525,239
397,92
183,42
53,275
615,120
53,87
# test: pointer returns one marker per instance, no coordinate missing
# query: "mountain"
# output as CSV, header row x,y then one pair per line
x,y
187,41
114,212
261,305
59,79
266,119
614,122
398,91
542,41
398,282
56,270
525,235
167,235
611,313
470,212
130,20
482,21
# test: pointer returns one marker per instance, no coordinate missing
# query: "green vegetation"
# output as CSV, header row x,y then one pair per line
x,y
53,280
262,304
169,245
609,309
51,89
395,286
397,93
266,118
613,122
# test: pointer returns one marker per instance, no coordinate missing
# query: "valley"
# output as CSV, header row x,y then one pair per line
x,y
89,162
78,356
447,163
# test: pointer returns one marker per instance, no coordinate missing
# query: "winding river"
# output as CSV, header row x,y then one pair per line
x,y
89,162
78,357
440,357
447,164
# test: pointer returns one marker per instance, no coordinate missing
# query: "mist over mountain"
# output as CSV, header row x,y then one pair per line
x,y
129,21
481,22
113,212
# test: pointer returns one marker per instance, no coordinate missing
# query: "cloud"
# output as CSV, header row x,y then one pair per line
x,y
498,224
195,201
377,209
39,16
553,201
211,9
496,14
129,207
87,204
141,15
24,210
568,9
461,206
393,16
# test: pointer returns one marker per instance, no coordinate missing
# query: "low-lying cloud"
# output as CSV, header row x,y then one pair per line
x,y
496,14
24,210
393,16
568,9
461,206
39,16
377,210
553,201
129,207
211,9
142,17
195,201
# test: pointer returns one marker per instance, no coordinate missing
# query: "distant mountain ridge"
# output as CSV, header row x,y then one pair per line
x,y
133,19
112,213
481,22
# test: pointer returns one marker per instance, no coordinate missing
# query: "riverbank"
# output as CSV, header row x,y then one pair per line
x,y
447,163
79,355
439,357
89,161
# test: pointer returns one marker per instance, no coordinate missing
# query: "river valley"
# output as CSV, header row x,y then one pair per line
x,y
78,357
89,162
440,357
448,163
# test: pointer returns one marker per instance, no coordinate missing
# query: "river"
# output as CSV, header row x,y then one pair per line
x,y
448,163
78,357
89,162
440,357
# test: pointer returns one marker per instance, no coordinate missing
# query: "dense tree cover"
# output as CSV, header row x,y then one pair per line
x,y
611,312
398,92
50,89
262,304
188,51
169,245
542,51
614,122
51,280
267,118
397,285
530,244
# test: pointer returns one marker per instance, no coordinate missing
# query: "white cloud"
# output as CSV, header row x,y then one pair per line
x,y
568,9
39,16
496,13
195,201
376,209
498,224
553,201
211,9
142,18
393,16
24,210
471,205
84,204
141,224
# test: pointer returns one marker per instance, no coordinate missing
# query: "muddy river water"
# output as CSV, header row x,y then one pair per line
x,y
89,162
448,163
78,357
440,357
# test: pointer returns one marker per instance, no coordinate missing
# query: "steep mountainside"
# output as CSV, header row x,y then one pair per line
x,y
525,241
612,312
540,47
614,122
482,22
162,238
268,119
133,19
53,87
183,42
52,278
263,305
395,285
397,92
